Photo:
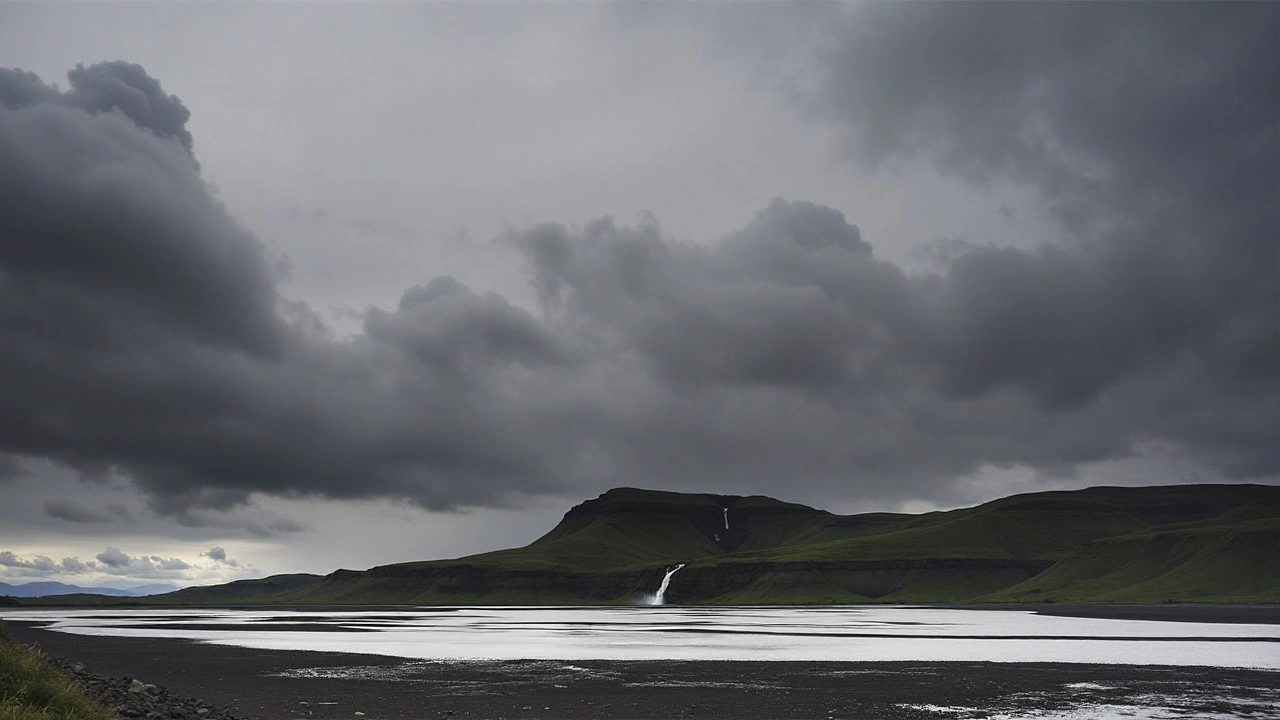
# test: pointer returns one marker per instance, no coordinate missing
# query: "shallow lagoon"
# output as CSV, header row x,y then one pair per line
x,y
838,634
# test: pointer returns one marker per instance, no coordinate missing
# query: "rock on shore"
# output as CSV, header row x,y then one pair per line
x,y
132,698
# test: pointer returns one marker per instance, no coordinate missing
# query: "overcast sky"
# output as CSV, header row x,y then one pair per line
x,y
292,287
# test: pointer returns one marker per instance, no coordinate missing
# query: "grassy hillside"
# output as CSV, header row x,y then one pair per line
x,y
32,689
1217,543
1203,562
1036,526
275,588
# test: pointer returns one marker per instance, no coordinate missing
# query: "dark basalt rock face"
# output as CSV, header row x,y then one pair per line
x,y
470,580
868,578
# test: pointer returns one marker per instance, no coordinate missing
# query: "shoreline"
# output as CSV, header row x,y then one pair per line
x,y
1244,613
273,685
1241,613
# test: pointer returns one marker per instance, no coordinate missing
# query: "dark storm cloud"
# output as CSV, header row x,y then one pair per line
x,y
782,303
10,469
194,515
788,351
445,327
143,334
127,88
72,511
1155,132
100,216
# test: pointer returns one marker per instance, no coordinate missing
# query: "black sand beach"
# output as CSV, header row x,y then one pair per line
x,y
272,685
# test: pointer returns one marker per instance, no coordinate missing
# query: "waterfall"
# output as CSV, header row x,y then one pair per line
x,y
726,518
660,597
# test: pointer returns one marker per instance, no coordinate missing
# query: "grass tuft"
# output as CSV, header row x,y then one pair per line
x,y
31,688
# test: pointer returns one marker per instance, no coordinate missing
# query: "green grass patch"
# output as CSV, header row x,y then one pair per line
x,y
1226,562
33,689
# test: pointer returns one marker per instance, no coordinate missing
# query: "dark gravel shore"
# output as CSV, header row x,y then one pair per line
x,y
131,698
274,685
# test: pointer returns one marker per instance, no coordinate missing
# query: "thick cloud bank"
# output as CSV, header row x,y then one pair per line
x,y
141,330
1154,131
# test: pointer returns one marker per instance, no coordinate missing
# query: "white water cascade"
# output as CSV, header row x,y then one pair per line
x,y
726,518
659,598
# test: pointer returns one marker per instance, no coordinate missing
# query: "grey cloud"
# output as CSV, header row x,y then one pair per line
x,y
144,335
942,253
1152,129
225,509
76,567
114,557
451,330
128,89
218,554
71,511
37,563
158,562
118,562
780,303
135,236
20,89
768,356
10,468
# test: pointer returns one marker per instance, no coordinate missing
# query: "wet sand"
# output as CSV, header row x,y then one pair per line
x,y
273,685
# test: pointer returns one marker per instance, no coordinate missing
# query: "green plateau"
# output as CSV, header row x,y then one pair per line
x,y
1181,543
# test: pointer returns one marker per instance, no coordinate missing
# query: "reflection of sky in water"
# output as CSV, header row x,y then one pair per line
x,y
673,633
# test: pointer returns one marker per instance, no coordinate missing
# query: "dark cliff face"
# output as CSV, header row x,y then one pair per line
x,y
870,579
463,583
701,583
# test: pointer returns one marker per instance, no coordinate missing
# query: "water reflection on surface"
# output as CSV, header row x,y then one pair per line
x,y
676,633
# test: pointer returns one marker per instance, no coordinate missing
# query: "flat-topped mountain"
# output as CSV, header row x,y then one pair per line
x,y
1218,543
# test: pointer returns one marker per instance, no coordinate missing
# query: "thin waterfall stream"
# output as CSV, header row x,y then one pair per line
x,y
659,598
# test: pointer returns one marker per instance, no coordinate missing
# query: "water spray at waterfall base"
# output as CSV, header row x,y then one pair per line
x,y
659,598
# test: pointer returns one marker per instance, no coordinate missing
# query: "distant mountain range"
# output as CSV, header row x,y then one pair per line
x,y
1184,543
42,589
